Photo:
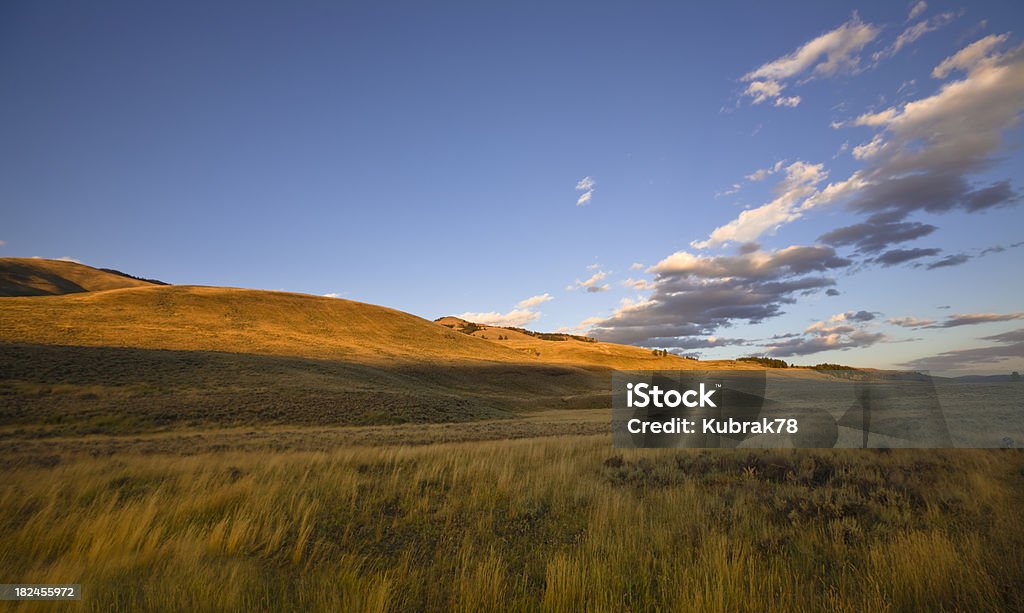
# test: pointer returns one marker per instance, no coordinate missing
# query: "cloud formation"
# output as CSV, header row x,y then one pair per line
x,y
515,317
900,256
694,295
910,322
923,155
971,319
521,315
910,34
593,284
950,260
842,331
533,301
832,53
799,183
585,185
956,320
877,233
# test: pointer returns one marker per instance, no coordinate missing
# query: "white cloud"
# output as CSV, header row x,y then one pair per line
x,y
831,53
2,243
522,314
874,119
585,185
912,33
515,317
67,258
922,157
331,295
636,266
799,183
763,90
638,284
763,173
869,149
917,9
533,301
593,284
970,56
733,189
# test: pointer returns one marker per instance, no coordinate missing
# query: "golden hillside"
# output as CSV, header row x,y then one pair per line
x,y
195,318
39,277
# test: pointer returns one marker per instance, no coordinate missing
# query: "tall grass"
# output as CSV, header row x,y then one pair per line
x,y
553,524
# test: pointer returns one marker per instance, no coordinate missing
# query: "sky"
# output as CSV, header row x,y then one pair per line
x,y
836,184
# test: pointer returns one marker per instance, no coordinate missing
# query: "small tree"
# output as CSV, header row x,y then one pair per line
x,y
1015,376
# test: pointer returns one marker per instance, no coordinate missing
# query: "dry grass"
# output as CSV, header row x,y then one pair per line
x,y
39,277
191,318
73,391
553,524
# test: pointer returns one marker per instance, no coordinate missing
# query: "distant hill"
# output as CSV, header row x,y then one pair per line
x,y
559,348
39,277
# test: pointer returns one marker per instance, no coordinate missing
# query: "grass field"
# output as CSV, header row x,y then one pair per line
x,y
558,523
208,449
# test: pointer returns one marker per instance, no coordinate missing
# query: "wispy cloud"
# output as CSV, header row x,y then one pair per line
x,y
515,317
523,313
917,9
910,34
901,256
592,284
533,301
585,185
800,182
910,322
956,320
831,53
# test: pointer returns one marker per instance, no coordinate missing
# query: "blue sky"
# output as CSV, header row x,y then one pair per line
x,y
430,157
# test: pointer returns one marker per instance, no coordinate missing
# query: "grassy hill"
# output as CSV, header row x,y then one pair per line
x,y
193,318
39,277
152,357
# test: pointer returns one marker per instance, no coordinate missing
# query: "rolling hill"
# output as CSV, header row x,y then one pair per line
x,y
144,357
39,277
196,318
